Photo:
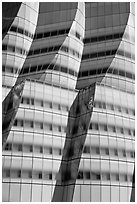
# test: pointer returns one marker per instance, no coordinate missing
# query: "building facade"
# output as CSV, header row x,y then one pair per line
x,y
73,137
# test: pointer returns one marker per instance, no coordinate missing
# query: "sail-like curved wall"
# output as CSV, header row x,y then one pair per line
x,y
77,102
107,163
18,36
50,75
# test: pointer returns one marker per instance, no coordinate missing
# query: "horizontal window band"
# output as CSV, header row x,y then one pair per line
x,y
17,50
55,33
108,53
103,38
105,71
99,54
44,50
53,49
52,67
51,33
9,69
21,31
88,149
75,130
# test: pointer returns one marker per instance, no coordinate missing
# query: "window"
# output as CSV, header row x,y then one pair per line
x,y
129,132
30,174
60,152
99,103
86,149
124,153
31,148
53,33
50,176
80,175
87,175
13,28
111,107
3,68
114,129
41,125
101,38
50,104
41,149
47,34
90,127
63,69
22,100
121,130
108,176
19,147
107,151
130,178
96,126
39,35
50,150
27,99
105,128
97,150
59,107
119,108
19,174
40,176
4,47
8,147
50,127
97,176
31,124
20,30
32,101
59,128
115,152
7,173
61,32
67,108
15,122
117,177
104,105
132,154
42,103
125,177
21,123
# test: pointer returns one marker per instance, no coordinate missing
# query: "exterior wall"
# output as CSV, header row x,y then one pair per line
x,y
16,43
50,73
107,163
33,154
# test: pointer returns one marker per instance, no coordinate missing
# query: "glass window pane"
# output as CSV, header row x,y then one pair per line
x,y
15,192
76,197
5,192
25,193
105,194
123,194
95,193
85,193
115,194
36,193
